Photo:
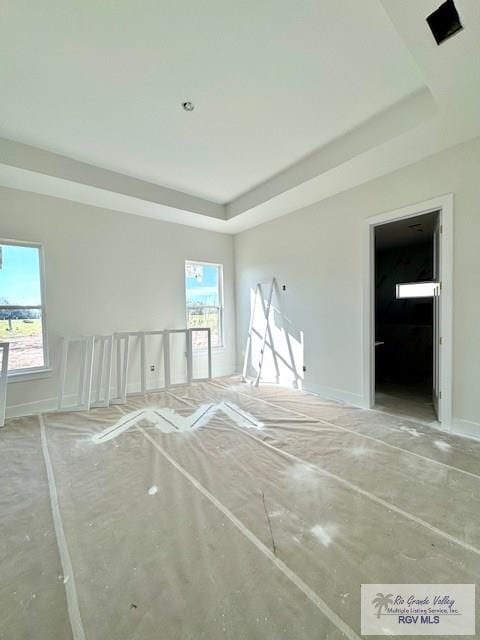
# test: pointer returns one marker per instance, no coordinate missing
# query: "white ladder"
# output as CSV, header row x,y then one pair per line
x,y
266,332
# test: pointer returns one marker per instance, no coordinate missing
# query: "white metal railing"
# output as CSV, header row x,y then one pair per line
x,y
4,348
84,392
114,353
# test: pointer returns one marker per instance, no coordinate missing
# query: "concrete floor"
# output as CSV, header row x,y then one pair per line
x,y
409,401
260,523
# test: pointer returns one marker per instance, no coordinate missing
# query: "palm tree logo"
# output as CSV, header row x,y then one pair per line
x,y
382,602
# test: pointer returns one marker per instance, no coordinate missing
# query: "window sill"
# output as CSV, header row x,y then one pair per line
x,y
25,376
204,351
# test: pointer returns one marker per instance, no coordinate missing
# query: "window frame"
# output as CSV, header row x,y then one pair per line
x,y
219,266
415,297
32,371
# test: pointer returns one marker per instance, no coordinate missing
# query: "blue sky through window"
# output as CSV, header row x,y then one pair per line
x,y
20,275
202,284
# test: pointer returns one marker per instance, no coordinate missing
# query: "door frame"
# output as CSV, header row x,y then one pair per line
x,y
444,205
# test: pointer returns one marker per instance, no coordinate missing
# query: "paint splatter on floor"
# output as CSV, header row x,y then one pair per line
x,y
443,446
324,534
304,475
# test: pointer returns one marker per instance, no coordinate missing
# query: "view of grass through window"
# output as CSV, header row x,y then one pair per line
x,y
203,284
21,305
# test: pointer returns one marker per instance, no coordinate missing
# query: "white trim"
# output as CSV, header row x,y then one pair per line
x,y
42,307
219,266
25,375
84,396
462,428
121,363
43,293
31,408
4,348
443,204
338,395
466,428
104,371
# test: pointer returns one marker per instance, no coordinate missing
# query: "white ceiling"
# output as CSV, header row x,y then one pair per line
x,y
294,101
272,80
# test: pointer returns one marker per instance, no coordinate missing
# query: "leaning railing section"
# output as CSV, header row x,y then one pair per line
x,y
4,350
103,367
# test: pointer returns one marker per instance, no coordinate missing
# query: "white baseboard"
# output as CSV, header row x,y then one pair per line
x,y
328,393
50,404
339,395
466,428
31,408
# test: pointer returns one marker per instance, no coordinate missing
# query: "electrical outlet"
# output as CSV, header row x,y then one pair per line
x,y
152,368
284,287
304,369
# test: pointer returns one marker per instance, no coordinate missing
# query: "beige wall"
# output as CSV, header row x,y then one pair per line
x,y
108,271
318,253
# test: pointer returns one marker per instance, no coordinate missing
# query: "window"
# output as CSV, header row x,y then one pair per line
x,y
22,320
203,286
417,290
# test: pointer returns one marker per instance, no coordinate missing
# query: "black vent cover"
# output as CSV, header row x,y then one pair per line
x,y
444,22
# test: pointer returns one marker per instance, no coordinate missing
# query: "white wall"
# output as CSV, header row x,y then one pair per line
x,y
108,271
317,253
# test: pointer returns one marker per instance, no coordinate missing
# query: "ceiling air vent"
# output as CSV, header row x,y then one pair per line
x,y
444,22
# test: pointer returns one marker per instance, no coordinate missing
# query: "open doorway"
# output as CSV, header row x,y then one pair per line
x,y
442,207
406,321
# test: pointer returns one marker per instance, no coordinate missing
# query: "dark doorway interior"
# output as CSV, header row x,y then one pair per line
x,y
404,327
